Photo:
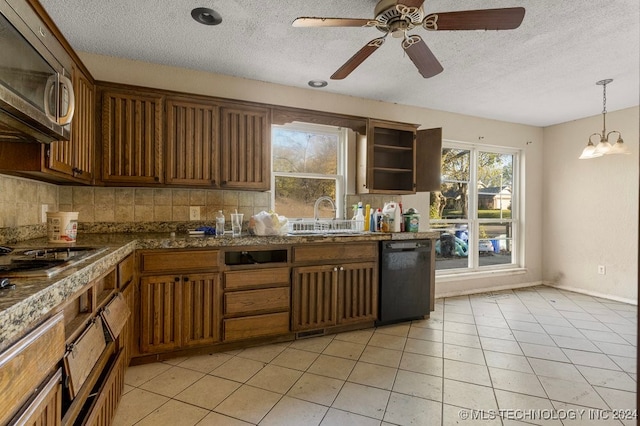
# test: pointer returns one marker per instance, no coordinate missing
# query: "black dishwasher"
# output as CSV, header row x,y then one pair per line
x,y
405,271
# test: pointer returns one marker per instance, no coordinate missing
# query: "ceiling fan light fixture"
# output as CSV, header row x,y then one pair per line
x,y
206,16
317,84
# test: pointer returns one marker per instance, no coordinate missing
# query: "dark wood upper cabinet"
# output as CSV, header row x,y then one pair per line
x,y
69,161
245,148
192,143
76,157
132,124
386,158
428,159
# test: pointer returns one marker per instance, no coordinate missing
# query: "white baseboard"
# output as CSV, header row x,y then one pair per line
x,y
440,295
593,293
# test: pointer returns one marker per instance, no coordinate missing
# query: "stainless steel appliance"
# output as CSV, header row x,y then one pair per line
x,y
43,261
36,94
405,271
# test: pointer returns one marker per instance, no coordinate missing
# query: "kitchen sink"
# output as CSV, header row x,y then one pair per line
x,y
44,261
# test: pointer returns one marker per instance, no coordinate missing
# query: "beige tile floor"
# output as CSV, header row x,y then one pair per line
x,y
504,354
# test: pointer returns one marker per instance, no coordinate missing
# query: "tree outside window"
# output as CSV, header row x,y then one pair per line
x,y
307,163
474,208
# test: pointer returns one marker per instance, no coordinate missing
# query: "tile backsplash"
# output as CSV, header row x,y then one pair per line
x,y
99,204
21,201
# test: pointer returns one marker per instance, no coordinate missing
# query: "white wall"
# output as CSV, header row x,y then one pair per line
x,y
591,209
455,127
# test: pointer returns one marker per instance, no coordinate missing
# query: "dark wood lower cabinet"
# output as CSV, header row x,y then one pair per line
x,y
314,294
325,296
106,399
178,311
46,408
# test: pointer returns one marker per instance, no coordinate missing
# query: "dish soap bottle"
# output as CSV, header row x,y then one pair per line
x,y
219,223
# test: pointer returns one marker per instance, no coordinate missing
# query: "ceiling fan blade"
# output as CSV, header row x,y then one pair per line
x,y
421,55
487,19
357,59
332,22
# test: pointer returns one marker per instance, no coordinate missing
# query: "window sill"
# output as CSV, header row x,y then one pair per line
x,y
472,275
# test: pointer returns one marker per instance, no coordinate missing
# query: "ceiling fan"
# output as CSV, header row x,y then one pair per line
x,y
397,17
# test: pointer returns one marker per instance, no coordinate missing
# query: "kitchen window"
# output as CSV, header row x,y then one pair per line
x,y
476,209
308,162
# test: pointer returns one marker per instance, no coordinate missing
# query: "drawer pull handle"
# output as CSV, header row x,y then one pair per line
x,y
176,279
186,279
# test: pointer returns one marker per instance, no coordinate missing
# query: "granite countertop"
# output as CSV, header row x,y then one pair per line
x,y
35,298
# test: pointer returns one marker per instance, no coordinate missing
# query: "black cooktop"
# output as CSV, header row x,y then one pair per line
x,y
43,261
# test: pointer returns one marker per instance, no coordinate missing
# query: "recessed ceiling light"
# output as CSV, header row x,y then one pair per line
x,y
206,16
317,83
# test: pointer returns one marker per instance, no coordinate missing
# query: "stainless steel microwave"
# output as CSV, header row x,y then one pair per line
x,y
36,93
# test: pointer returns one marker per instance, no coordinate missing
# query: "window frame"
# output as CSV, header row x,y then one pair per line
x,y
474,222
341,165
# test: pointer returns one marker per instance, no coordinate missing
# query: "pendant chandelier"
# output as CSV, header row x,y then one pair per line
x,y
604,147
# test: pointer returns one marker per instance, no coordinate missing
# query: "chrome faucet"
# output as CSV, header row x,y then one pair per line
x,y
317,204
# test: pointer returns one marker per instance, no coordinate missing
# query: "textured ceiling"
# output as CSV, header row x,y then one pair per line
x,y
540,74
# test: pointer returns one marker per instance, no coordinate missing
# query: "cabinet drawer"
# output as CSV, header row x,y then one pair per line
x,y
256,326
28,362
104,404
84,353
175,261
115,315
335,252
237,280
126,270
252,301
46,408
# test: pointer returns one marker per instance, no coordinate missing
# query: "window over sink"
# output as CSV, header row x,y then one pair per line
x,y
308,162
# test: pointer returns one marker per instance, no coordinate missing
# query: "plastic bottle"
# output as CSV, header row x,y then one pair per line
x,y
219,223
378,220
367,217
397,220
401,219
372,220
359,218
389,211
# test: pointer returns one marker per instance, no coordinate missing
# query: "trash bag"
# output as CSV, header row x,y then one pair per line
x,y
447,245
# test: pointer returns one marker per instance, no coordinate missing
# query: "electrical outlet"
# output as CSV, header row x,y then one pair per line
x,y
194,213
44,208
602,270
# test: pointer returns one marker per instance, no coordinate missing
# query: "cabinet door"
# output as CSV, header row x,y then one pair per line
x,y
131,138
245,148
46,408
314,292
202,308
192,143
389,155
160,313
428,159
76,157
126,339
357,292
